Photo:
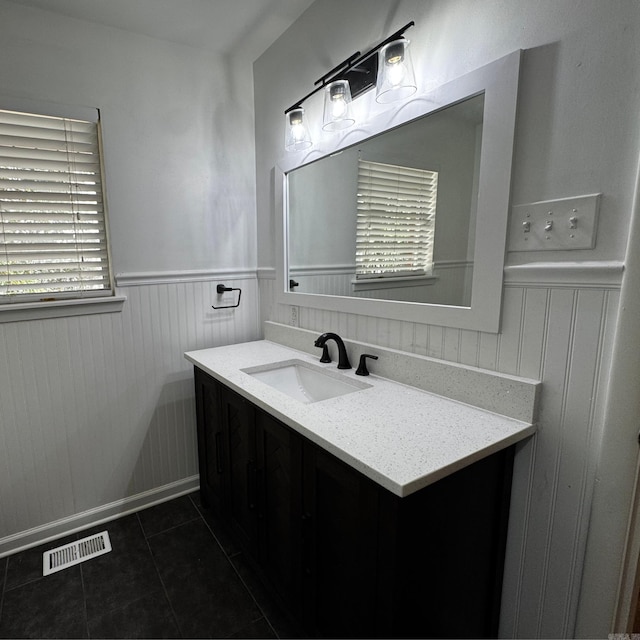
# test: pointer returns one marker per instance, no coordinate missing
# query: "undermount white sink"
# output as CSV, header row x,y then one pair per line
x,y
303,381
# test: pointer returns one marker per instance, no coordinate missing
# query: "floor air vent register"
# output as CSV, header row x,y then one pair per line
x,y
75,553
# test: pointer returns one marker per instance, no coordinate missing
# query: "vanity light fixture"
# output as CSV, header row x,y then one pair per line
x,y
297,132
396,80
337,106
351,78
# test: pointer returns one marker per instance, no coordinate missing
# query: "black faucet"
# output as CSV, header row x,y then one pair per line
x,y
343,359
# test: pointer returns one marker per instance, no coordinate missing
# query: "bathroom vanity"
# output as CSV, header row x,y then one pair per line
x,y
377,513
379,510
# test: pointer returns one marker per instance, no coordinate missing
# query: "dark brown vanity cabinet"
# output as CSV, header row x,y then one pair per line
x,y
347,557
339,550
210,434
250,466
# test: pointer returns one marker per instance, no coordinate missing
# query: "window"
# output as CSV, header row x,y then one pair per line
x,y
53,237
395,220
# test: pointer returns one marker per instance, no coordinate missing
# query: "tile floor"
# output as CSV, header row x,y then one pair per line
x,y
168,576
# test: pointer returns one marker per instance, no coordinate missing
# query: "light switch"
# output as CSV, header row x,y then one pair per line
x,y
569,223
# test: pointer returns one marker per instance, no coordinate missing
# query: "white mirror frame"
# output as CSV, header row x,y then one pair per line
x,y
499,82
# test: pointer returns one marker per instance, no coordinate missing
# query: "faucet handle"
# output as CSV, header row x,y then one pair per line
x,y
325,354
362,367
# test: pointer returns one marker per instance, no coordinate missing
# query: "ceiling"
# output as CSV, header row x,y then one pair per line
x,y
214,25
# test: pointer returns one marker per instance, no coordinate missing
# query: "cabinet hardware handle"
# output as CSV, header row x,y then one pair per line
x,y
251,484
259,477
219,452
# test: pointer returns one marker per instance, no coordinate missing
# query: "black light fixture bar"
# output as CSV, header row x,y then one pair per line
x,y
344,65
336,70
360,70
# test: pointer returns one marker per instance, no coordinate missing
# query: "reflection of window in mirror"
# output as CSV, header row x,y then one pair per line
x,y
396,214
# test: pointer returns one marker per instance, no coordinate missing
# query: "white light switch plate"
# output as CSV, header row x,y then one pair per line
x,y
569,223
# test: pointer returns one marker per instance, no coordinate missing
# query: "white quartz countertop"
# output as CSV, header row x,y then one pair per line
x,y
401,437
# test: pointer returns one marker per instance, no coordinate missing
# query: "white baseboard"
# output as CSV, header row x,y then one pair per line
x,y
96,516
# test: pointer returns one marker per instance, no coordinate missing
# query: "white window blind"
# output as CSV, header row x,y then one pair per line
x,y
53,239
395,220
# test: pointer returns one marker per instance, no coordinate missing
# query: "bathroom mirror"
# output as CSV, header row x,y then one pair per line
x,y
456,142
422,177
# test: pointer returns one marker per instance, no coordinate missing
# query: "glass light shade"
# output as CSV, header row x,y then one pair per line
x,y
337,106
297,135
396,80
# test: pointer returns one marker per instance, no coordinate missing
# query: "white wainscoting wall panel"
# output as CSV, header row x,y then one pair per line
x,y
561,334
99,409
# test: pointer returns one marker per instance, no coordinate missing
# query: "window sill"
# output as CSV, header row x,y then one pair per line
x,y
21,311
392,283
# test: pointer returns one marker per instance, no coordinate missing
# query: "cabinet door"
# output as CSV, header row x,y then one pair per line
x,y
238,418
442,552
279,470
340,512
211,458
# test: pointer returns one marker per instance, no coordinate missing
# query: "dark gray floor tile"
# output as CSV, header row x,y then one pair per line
x,y
283,624
258,629
3,574
122,576
217,525
52,607
167,515
195,498
148,617
26,566
125,597
208,598
3,571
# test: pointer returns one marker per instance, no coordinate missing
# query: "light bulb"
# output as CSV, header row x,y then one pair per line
x,y
396,73
296,134
337,106
396,80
